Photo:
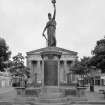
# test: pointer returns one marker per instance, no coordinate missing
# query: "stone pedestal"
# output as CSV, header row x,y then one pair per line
x,y
51,92
50,71
50,67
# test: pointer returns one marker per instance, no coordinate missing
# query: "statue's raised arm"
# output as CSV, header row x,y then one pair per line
x,y
54,15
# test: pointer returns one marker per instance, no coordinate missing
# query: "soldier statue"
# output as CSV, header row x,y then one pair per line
x,y
51,28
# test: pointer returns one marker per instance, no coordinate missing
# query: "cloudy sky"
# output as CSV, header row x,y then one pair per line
x,y
80,23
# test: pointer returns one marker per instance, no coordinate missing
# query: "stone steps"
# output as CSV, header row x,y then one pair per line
x,y
51,89
51,95
77,99
56,100
61,101
50,104
55,96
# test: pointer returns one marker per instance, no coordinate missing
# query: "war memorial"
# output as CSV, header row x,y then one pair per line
x,y
50,65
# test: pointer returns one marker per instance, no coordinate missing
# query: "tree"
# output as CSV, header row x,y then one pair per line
x,y
19,71
77,68
81,67
4,54
18,68
98,59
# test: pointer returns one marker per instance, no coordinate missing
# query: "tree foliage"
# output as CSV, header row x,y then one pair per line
x,y
98,58
17,66
81,67
4,54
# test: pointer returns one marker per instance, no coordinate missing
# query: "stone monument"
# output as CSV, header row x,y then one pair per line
x,y
50,65
50,62
51,57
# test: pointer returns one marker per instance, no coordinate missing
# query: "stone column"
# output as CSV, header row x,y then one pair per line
x,y
31,66
58,73
42,73
38,70
101,82
65,69
38,66
72,75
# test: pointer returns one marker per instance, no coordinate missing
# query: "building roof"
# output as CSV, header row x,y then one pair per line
x,y
52,48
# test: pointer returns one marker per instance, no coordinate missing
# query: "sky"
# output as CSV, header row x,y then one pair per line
x,y
80,23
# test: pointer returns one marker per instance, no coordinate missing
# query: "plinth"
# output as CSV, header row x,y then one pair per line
x,y
50,67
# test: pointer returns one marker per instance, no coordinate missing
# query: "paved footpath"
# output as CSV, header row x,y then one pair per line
x,y
8,96
8,93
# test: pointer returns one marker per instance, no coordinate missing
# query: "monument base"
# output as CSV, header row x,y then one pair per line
x,y
50,64
51,92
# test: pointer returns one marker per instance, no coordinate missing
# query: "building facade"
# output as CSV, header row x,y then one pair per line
x,y
5,80
34,62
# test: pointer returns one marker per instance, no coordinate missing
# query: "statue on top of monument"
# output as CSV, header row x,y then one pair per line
x,y
51,28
